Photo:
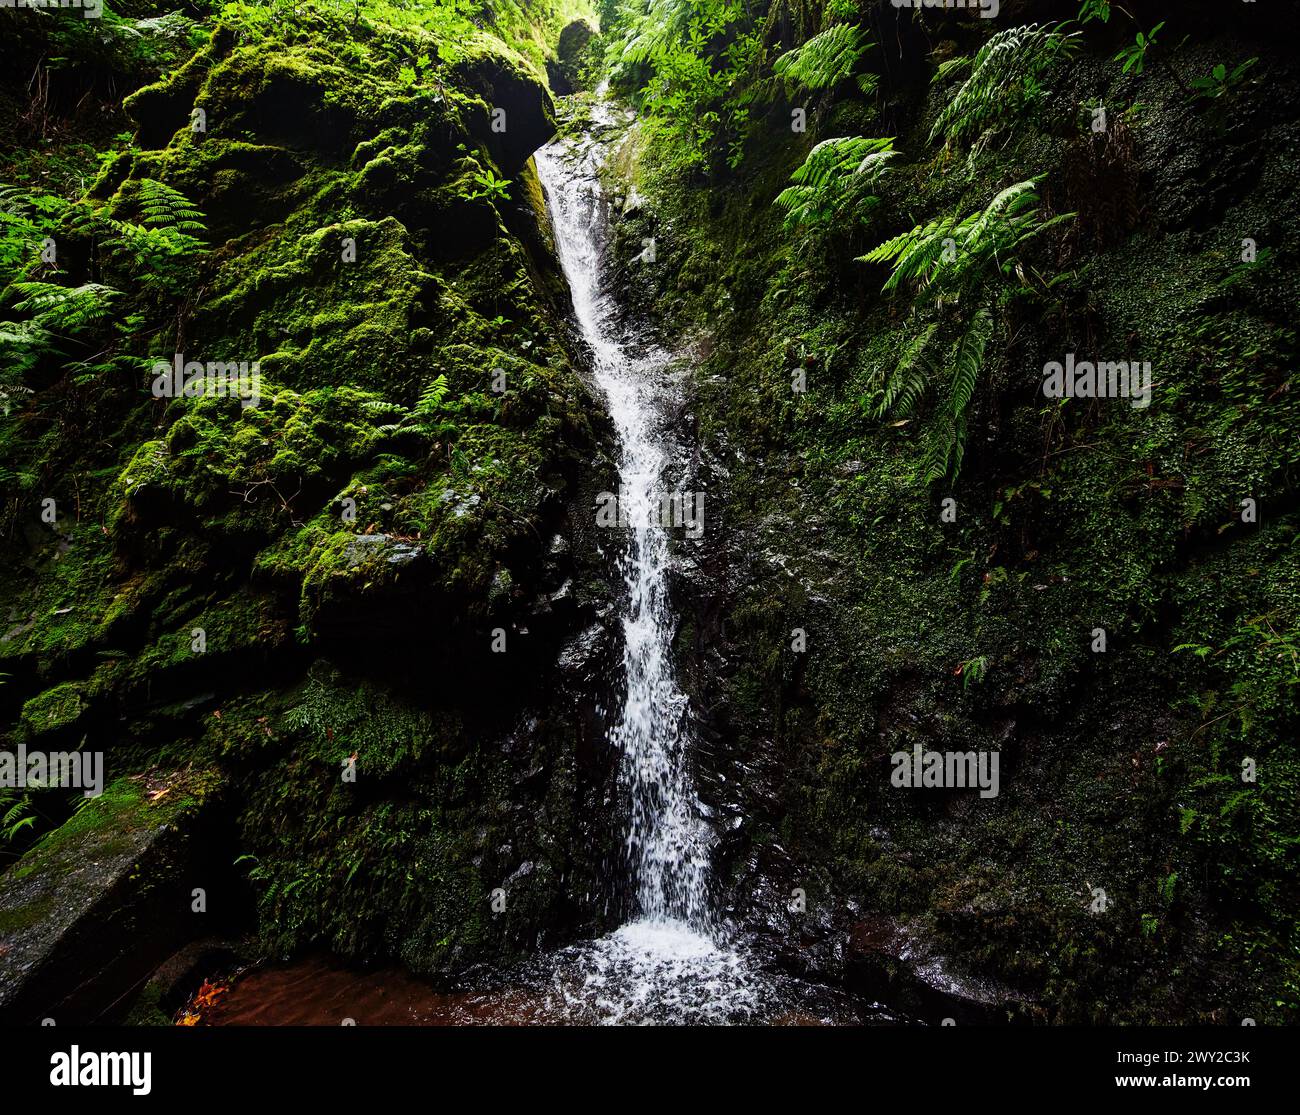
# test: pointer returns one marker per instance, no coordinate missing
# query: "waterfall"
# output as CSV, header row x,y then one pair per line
x,y
667,840
675,961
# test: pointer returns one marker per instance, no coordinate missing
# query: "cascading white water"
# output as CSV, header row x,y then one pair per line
x,y
667,841
674,962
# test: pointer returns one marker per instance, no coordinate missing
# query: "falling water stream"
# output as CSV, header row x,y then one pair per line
x,y
666,840
674,961
669,963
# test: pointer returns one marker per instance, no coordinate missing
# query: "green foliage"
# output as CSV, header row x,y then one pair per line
x,y
954,254
431,398
833,187
18,814
65,311
137,49
151,241
57,314
700,57
955,258
947,446
26,219
1221,80
908,383
973,670
426,418
488,185
1005,80
161,246
1134,56
827,59
1094,9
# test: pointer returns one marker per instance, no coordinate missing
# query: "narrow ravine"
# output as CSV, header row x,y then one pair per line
x,y
675,959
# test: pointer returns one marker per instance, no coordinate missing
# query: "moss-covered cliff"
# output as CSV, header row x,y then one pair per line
x,y
345,591
344,630
1097,604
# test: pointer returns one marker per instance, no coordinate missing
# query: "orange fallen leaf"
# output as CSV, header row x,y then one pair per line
x,y
208,994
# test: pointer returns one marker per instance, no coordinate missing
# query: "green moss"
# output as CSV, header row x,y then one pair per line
x,y
55,612
401,858
358,247
111,819
147,1010
54,710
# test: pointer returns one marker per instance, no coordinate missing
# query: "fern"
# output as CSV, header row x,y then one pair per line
x,y
162,206
162,244
18,814
431,398
955,254
9,392
826,59
65,310
655,35
1004,79
908,383
952,68
969,360
956,258
57,314
831,185
947,445
25,220
424,418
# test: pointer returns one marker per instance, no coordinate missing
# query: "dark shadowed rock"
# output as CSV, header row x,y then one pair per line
x,y
97,904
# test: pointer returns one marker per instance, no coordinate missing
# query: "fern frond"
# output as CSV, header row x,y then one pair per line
x,y
952,68
914,256
909,382
956,253
832,183
163,206
945,452
1003,79
431,398
66,310
654,35
826,59
906,388
968,360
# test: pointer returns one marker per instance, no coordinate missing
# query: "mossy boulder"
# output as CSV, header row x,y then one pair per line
x,y
54,712
376,246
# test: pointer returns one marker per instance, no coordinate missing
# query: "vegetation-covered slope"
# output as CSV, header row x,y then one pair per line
x,y
360,617
306,587
1077,584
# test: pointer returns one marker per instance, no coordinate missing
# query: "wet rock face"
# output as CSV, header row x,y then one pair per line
x,y
520,116
575,39
822,532
575,53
